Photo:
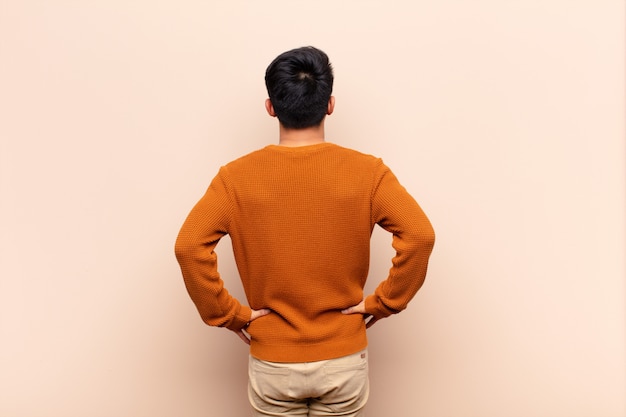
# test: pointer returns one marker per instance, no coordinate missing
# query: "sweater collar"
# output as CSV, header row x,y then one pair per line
x,y
299,149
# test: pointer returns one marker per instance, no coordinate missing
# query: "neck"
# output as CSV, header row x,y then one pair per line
x,y
301,137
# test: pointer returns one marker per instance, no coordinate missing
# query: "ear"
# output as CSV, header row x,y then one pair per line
x,y
269,108
331,105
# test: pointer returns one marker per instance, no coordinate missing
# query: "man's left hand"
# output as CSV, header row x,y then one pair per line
x,y
255,315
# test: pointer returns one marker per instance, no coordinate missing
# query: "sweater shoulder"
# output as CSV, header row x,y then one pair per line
x,y
371,164
359,155
246,158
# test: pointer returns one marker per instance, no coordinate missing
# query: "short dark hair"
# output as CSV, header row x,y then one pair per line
x,y
299,83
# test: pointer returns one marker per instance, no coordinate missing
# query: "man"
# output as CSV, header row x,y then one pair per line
x,y
300,216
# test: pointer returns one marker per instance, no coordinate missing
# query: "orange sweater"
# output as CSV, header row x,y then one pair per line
x,y
300,221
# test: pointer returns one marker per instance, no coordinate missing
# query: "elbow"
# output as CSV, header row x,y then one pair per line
x,y
423,241
429,238
182,248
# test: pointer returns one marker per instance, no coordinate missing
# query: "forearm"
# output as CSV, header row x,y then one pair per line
x,y
406,276
198,264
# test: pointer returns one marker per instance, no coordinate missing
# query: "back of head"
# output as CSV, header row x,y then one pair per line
x,y
299,83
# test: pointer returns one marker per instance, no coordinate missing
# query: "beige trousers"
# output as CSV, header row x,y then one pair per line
x,y
334,387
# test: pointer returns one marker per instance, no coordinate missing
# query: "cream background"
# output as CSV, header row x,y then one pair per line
x,y
505,119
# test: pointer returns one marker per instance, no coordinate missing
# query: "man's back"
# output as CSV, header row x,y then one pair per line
x,y
300,220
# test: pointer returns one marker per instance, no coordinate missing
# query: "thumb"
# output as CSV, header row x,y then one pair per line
x,y
357,309
259,313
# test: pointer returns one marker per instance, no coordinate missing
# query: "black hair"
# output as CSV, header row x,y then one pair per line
x,y
299,83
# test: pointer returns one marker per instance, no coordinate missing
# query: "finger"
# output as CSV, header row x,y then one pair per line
x,y
259,313
352,310
371,321
359,308
349,310
243,336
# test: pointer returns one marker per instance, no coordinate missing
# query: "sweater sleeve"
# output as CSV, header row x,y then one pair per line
x,y
195,246
396,211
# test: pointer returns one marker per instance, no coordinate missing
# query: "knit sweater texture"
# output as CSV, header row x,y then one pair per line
x,y
300,221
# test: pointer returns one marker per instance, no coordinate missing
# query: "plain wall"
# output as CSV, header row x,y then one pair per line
x,y
505,119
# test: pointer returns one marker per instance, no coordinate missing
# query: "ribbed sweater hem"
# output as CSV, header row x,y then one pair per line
x,y
309,352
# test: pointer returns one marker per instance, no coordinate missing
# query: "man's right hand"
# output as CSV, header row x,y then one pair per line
x,y
360,309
